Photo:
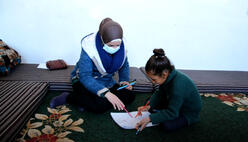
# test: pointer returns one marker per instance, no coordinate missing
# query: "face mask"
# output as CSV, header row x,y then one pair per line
x,y
110,50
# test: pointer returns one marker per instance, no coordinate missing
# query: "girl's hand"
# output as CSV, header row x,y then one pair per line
x,y
129,87
144,108
115,101
142,124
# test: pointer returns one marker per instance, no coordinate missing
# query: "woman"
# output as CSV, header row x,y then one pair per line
x,y
177,103
103,53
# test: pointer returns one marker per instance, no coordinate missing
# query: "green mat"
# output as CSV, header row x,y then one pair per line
x,y
219,122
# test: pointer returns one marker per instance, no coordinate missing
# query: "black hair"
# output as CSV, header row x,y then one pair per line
x,y
158,63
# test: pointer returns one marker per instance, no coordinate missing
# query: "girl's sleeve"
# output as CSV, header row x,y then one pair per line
x,y
85,65
124,72
171,112
155,99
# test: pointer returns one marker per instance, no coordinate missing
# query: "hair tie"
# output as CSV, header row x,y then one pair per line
x,y
159,56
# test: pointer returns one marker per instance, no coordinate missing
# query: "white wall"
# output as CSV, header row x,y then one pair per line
x,y
196,34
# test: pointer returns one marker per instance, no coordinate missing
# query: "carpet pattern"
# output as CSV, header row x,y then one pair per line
x,y
238,101
219,122
54,127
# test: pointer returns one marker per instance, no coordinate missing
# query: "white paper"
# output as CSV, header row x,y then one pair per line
x,y
126,122
42,66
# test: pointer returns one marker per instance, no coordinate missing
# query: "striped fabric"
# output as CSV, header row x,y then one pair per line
x,y
18,100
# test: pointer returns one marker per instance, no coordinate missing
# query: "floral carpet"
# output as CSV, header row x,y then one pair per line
x,y
54,127
239,101
66,124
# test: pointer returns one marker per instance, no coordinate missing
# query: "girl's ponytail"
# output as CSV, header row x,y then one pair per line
x,y
158,63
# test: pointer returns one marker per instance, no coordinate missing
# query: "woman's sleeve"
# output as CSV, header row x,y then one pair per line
x,y
85,75
124,71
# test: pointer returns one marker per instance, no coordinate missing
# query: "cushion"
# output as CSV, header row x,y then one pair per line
x,y
9,58
56,64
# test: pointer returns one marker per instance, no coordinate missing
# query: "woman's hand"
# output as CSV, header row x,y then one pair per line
x,y
115,101
129,87
142,124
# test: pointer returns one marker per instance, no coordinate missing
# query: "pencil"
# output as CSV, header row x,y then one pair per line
x,y
127,111
131,83
137,132
139,112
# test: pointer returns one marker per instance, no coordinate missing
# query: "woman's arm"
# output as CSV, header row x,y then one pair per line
x,y
85,75
89,82
124,72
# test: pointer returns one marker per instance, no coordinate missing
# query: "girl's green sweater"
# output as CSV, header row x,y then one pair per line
x,y
180,96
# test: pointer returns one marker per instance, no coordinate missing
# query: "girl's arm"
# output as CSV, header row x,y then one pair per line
x,y
171,112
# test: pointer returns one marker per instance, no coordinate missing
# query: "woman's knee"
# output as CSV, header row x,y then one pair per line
x,y
129,97
98,107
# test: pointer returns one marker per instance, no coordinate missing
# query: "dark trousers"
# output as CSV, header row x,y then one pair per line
x,y
91,102
172,125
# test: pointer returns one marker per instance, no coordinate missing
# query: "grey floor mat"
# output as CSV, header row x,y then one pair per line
x,y
60,79
30,72
206,80
218,81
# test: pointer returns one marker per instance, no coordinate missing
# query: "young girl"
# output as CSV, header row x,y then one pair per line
x,y
177,101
